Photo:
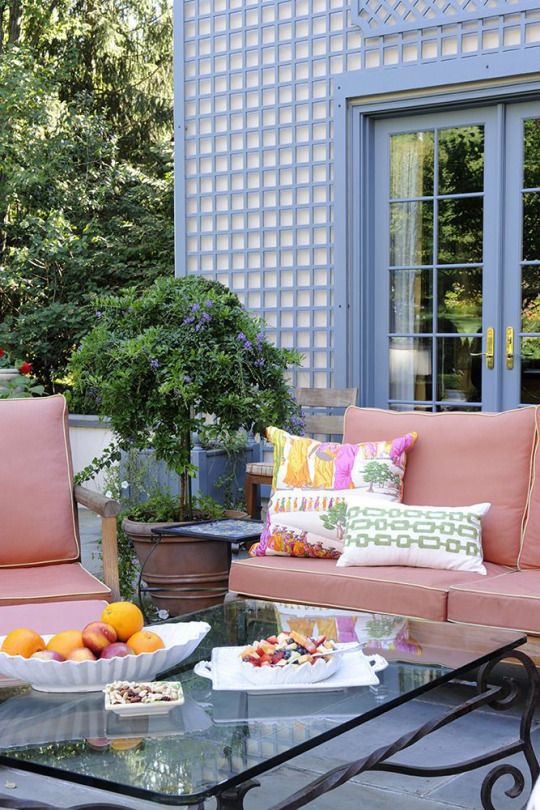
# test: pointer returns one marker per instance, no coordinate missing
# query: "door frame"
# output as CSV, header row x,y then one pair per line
x,y
359,99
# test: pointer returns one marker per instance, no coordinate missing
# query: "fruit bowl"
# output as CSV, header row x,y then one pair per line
x,y
90,676
292,673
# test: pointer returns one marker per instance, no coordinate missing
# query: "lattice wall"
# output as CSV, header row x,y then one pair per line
x,y
259,153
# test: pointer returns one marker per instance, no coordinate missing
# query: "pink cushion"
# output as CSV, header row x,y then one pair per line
x,y
51,617
418,592
37,512
49,583
511,600
530,548
460,459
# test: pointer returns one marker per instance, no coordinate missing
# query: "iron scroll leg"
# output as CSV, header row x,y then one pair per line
x,y
499,698
233,798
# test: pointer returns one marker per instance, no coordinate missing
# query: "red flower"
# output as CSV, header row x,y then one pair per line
x,y
2,352
25,368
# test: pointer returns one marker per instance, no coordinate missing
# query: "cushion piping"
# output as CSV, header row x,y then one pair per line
x,y
532,482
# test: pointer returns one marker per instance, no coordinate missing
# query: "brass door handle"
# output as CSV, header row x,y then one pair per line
x,y
509,347
490,348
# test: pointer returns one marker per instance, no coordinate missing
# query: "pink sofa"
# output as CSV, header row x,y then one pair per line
x,y
459,458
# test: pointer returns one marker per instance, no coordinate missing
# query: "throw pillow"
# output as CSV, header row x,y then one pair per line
x,y
375,467
448,537
304,523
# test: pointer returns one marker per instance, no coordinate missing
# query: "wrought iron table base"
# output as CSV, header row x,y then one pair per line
x,y
499,698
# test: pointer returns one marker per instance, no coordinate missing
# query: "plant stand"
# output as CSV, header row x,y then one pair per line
x,y
186,566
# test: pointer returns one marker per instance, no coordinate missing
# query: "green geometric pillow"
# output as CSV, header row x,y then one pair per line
x,y
382,533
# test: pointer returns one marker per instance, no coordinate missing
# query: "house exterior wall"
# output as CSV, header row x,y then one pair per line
x,y
254,135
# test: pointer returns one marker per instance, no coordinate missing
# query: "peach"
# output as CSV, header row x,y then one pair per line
x,y
118,649
48,655
98,635
81,654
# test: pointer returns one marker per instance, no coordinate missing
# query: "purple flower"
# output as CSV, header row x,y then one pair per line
x,y
187,378
259,362
154,363
209,303
240,336
195,307
189,319
248,344
99,314
205,317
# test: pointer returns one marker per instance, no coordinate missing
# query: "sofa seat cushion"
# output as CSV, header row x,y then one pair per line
x,y
417,592
511,600
463,458
49,583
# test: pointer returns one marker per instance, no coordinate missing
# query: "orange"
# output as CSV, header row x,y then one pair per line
x,y
23,641
126,744
125,617
65,642
145,641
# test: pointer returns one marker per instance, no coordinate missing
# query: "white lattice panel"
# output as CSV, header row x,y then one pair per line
x,y
258,116
391,16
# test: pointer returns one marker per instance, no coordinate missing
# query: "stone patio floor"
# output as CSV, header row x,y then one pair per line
x,y
483,730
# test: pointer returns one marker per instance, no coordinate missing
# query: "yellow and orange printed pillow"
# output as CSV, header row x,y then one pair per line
x,y
375,467
313,482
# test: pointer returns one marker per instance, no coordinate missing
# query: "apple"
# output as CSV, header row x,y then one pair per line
x,y
98,635
117,650
48,655
81,654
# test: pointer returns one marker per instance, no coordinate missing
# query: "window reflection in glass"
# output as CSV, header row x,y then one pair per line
x,y
531,226
530,299
410,368
530,370
411,301
531,157
461,160
411,165
460,230
459,305
411,233
459,369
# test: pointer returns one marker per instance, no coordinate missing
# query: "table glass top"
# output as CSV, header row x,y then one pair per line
x,y
218,738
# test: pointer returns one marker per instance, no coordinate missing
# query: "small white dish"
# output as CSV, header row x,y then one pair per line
x,y
143,709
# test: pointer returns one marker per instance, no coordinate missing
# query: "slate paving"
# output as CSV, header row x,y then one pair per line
x,y
483,730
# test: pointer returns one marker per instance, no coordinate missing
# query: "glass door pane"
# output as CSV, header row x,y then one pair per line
x,y
430,260
530,264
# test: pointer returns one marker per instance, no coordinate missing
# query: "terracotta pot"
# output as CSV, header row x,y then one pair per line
x,y
177,562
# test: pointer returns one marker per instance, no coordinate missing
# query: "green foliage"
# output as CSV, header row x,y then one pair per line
x,y
159,361
20,384
86,185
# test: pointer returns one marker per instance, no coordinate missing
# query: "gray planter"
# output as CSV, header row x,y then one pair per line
x,y
216,476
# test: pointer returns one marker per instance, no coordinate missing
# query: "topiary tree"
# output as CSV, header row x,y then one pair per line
x,y
158,363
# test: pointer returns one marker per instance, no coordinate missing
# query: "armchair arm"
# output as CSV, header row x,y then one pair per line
x,y
108,509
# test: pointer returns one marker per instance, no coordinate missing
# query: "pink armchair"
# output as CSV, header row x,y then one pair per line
x,y
39,532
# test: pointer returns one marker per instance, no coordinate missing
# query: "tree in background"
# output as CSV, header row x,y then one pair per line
x,y
85,165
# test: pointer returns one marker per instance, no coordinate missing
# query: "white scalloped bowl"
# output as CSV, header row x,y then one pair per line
x,y
292,673
90,676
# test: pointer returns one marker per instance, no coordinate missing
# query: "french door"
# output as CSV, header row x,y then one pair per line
x,y
456,250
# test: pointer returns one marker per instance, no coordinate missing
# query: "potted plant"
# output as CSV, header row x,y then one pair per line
x,y
181,357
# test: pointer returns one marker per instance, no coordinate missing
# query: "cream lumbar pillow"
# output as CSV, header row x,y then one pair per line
x,y
382,533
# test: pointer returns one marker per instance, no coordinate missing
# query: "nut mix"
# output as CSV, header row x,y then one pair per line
x,y
285,649
125,692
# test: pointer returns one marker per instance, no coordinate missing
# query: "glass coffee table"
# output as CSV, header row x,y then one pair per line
x,y
219,740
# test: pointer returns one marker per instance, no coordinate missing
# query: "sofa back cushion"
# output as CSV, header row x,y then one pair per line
x,y
529,556
460,459
37,513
